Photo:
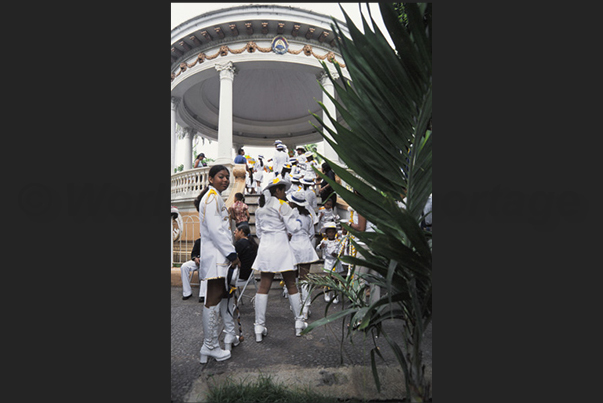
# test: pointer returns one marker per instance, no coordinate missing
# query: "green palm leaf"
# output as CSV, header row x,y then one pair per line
x,y
386,146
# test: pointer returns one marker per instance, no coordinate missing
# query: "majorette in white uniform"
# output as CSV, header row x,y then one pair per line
x,y
279,159
302,244
216,245
258,173
216,238
301,240
275,253
330,247
309,163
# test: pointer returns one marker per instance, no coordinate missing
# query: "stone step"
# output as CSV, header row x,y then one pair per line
x,y
252,199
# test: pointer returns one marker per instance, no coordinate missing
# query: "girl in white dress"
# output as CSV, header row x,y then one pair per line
x,y
275,255
258,173
217,255
302,243
330,246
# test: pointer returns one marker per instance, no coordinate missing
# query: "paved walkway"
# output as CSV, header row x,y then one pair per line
x,y
318,359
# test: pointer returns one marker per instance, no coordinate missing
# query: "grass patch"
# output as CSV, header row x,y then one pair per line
x,y
263,390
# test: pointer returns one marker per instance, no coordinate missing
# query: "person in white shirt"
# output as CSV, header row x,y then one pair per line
x,y
258,173
300,155
275,255
327,212
310,194
330,246
302,243
279,160
309,163
218,255
295,180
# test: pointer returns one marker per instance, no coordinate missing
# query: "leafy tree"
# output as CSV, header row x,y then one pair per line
x,y
386,145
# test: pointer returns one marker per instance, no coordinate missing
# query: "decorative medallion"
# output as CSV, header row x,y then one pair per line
x,y
280,45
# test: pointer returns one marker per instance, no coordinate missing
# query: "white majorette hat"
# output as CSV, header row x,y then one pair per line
x,y
305,181
280,146
296,178
277,142
278,181
328,224
298,197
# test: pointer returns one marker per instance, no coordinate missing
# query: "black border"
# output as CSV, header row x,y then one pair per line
x,y
87,308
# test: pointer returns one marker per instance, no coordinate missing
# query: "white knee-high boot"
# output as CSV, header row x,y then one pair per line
x,y
295,301
211,346
227,312
261,301
306,299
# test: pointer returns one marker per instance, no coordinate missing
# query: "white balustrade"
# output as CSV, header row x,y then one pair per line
x,y
189,183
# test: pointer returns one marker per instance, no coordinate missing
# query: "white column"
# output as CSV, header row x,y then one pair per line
x,y
329,152
227,73
188,148
175,102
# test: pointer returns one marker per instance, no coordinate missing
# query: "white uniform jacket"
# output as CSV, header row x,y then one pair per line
x,y
216,238
278,162
301,241
331,246
275,253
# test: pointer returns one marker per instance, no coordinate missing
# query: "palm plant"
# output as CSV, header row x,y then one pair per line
x,y
386,145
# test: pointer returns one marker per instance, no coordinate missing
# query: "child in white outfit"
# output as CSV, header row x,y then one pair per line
x,y
330,248
327,213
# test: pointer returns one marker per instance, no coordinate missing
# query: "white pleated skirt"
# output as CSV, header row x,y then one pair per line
x,y
274,253
303,251
220,270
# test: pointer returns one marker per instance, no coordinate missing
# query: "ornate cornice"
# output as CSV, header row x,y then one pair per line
x,y
251,47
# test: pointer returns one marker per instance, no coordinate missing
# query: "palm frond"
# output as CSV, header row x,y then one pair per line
x,y
386,146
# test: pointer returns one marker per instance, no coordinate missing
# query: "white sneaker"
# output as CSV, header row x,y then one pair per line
x,y
327,296
336,300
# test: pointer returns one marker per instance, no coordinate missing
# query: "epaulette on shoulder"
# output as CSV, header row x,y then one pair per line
x,y
211,196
